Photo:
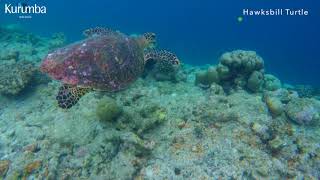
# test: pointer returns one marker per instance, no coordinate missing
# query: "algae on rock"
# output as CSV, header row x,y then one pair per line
x,y
206,78
304,111
108,109
271,83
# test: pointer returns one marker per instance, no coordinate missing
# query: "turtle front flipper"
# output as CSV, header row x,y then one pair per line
x,y
162,65
167,61
69,95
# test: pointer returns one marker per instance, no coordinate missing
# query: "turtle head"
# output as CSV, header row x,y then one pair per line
x,y
147,40
59,69
51,67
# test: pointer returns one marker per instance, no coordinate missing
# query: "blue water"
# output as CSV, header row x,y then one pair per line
x,y
198,31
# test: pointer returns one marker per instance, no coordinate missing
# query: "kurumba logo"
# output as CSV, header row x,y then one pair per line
x,y
34,9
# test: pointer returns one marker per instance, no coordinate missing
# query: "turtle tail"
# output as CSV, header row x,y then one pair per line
x,y
69,95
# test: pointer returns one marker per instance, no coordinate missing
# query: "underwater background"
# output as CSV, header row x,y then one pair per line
x,y
221,96
198,31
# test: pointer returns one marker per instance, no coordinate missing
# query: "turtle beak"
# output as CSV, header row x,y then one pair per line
x,y
45,66
52,68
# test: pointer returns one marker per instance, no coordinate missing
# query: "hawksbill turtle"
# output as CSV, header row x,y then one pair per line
x,y
106,60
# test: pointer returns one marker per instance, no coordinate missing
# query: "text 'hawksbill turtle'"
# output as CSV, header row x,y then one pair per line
x,y
106,60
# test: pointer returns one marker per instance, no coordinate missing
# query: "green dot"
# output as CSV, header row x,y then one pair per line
x,y
240,19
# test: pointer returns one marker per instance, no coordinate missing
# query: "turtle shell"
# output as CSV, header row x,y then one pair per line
x,y
105,62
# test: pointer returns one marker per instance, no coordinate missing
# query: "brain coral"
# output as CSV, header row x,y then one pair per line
x,y
237,69
240,61
272,83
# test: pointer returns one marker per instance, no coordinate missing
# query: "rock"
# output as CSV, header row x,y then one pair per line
x,y
223,72
306,91
243,61
263,170
283,95
276,144
262,131
152,117
212,75
206,78
181,124
201,78
255,81
271,83
32,148
216,89
240,82
11,133
4,167
197,148
10,55
275,106
108,109
31,167
304,111
15,175
136,144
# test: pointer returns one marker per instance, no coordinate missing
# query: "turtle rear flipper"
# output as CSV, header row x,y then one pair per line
x,y
69,95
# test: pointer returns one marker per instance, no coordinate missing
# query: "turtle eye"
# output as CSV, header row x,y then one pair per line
x,y
152,35
175,60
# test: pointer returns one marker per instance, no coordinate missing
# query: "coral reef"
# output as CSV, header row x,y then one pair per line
x,y
14,77
239,69
162,132
306,91
241,62
206,78
20,54
255,81
284,95
271,83
163,129
19,45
